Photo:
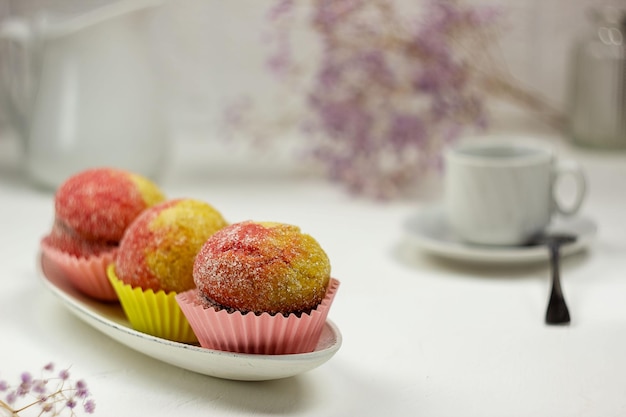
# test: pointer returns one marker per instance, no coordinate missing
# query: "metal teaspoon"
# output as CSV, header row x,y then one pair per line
x,y
557,312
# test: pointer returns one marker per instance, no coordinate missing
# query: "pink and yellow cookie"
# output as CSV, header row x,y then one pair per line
x,y
262,288
93,208
155,262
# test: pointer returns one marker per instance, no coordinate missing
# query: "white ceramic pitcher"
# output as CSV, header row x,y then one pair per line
x,y
82,93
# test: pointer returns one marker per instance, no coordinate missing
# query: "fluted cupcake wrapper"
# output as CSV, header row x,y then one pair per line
x,y
157,314
88,275
259,334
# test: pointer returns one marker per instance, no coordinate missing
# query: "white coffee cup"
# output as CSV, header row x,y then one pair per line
x,y
499,193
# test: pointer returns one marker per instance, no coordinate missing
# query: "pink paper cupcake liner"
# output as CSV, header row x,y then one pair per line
x,y
265,334
88,275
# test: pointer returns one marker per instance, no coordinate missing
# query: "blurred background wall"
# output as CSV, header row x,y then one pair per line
x,y
208,51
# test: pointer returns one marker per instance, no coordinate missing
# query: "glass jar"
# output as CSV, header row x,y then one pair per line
x,y
597,102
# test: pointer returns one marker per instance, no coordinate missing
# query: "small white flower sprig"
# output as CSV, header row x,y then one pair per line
x,y
52,394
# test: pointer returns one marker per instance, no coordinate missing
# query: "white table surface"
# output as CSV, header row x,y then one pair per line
x,y
421,336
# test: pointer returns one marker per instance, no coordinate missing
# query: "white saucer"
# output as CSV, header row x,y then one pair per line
x,y
429,231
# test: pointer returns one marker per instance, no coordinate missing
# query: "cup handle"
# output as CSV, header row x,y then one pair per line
x,y
574,170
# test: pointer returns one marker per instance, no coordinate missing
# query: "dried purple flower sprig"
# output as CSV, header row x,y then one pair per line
x,y
392,87
54,394
391,91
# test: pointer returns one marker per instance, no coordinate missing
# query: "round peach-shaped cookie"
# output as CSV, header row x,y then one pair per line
x,y
65,240
262,267
158,250
92,210
99,204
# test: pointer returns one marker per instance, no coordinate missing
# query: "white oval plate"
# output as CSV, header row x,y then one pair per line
x,y
109,319
428,230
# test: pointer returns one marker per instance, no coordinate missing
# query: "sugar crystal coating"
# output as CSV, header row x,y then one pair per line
x,y
262,267
158,249
99,204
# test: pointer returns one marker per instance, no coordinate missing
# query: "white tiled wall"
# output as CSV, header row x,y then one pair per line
x,y
210,50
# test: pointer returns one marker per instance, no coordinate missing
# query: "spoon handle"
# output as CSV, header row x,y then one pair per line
x,y
557,312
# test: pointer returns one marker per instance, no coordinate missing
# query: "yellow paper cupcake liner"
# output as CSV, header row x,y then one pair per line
x,y
157,314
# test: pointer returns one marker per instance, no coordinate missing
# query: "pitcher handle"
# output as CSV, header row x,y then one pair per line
x,y
16,75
